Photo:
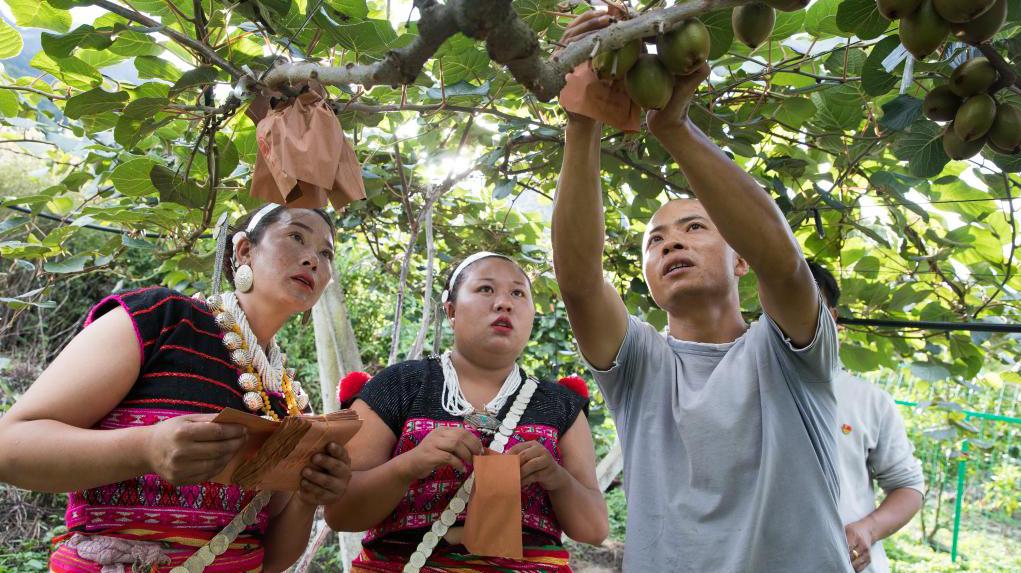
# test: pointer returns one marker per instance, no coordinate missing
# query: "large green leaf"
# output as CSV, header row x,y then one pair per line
x,y
875,80
840,107
71,71
194,77
132,177
62,45
821,19
900,112
174,189
721,32
153,67
130,43
39,14
922,147
10,41
861,18
145,107
367,36
93,102
9,104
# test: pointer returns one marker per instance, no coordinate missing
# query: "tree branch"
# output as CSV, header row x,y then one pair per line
x,y
400,66
509,41
194,45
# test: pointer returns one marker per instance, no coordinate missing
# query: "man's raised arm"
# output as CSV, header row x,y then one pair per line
x,y
597,313
743,212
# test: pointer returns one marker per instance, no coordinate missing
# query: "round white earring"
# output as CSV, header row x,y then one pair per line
x,y
243,278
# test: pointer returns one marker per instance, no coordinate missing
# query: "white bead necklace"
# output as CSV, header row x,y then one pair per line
x,y
454,401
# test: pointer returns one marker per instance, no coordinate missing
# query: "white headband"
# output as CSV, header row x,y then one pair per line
x,y
252,224
464,264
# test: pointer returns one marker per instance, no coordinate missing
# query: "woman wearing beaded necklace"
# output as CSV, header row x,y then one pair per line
x,y
425,419
122,417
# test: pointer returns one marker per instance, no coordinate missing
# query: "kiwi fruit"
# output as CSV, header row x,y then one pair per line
x,y
923,31
897,9
941,104
614,64
961,11
983,28
649,83
753,23
973,77
683,50
975,117
957,148
1006,130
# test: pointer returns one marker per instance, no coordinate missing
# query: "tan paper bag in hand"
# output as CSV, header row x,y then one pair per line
x,y
303,158
493,525
275,452
608,102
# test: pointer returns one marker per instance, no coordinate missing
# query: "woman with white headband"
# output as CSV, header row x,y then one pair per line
x,y
424,420
122,417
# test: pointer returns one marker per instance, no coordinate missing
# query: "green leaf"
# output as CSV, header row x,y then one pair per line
x,y
862,18
1008,163
130,43
795,111
503,188
153,67
93,102
61,46
10,41
922,147
145,107
73,264
821,19
195,77
460,59
9,103
875,80
350,8
246,143
131,178
721,32
459,89
839,108
175,189
71,71
859,358
39,14
226,155
535,13
367,36
787,24
900,112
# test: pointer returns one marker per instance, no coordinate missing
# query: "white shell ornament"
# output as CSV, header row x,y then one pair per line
x,y
249,382
253,401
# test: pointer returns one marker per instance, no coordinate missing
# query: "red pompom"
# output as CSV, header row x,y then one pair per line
x,y
351,385
576,384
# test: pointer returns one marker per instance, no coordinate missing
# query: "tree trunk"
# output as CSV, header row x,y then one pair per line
x,y
337,353
336,347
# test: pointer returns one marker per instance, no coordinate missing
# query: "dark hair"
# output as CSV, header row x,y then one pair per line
x,y
827,283
255,235
453,288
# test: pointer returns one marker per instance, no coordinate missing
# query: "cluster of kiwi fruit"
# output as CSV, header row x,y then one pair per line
x,y
976,117
650,78
925,24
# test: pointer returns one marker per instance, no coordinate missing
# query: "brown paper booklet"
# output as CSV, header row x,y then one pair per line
x,y
276,452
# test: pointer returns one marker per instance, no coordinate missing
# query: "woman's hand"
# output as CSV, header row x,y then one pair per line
x,y
191,449
538,466
325,479
441,447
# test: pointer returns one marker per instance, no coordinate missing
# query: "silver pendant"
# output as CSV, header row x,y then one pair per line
x,y
482,422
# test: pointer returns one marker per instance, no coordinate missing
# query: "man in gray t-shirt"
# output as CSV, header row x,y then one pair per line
x,y
727,429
